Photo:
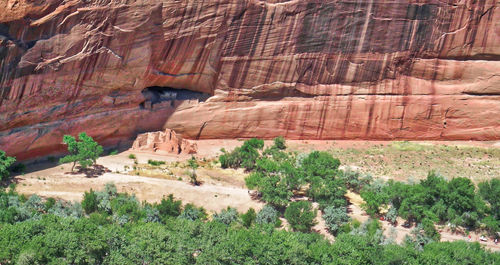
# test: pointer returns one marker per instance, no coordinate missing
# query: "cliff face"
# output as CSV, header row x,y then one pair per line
x,y
311,69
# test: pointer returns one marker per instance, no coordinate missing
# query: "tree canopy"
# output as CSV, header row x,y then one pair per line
x,y
85,151
5,163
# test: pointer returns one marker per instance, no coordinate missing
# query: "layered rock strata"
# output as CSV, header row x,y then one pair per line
x,y
308,69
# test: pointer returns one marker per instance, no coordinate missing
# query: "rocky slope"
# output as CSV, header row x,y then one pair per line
x,y
313,69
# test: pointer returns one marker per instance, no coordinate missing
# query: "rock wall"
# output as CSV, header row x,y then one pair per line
x,y
310,69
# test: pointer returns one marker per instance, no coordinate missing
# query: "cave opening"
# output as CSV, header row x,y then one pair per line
x,y
157,95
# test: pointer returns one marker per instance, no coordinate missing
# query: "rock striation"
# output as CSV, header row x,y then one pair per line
x,y
303,69
166,142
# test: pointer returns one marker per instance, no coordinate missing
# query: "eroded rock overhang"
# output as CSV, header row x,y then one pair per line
x,y
302,69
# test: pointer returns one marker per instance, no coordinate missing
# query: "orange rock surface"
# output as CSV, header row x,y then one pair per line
x,y
308,69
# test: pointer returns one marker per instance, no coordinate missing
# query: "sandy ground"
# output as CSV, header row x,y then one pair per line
x,y
220,188
211,197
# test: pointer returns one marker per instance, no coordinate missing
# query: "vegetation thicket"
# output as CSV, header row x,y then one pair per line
x,y
85,151
115,228
278,175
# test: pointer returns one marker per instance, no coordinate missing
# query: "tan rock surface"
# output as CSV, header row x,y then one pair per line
x,y
303,69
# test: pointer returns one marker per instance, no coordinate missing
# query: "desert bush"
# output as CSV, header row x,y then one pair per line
x,y
268,215
355,180
226,216
193,213
392,214
335,218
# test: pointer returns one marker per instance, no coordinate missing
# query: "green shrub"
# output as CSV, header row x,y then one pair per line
x,y
155,162
90,202
248,218
279,143
132,156
169,206
49,203
300,215
113,152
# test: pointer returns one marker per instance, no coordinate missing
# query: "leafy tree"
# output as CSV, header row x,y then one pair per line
x,y
275,191
5,163
335,217
327,192
490,192
274,180
193,164
248,218
461,195
320,164
373,200
492,226
301,216
85,151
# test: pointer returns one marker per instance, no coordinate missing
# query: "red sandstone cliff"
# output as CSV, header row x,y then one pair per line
x,y
316,69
